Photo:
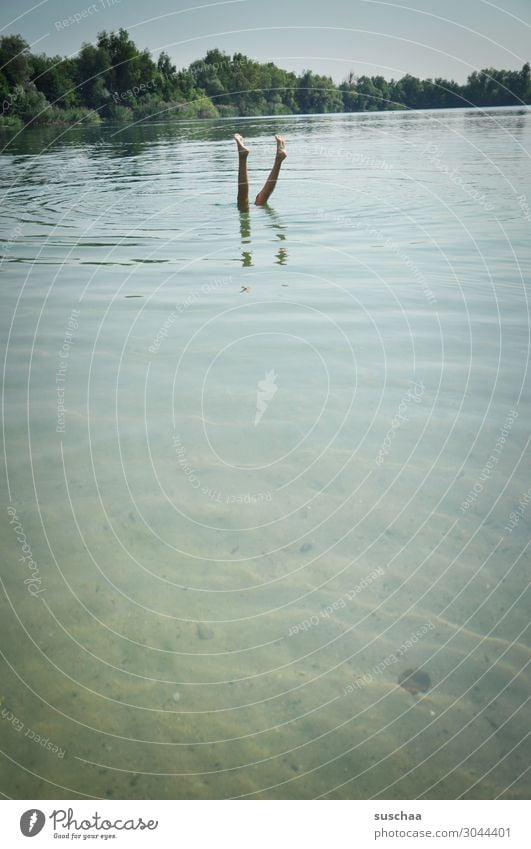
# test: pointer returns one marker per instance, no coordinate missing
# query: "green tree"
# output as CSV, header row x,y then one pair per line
x,y
317,94
122,72
412,92
15,60
55,78
92,73
349,93
524,84
448,94
20,98
369,97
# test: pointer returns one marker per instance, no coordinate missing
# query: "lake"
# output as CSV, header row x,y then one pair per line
x,y
260,466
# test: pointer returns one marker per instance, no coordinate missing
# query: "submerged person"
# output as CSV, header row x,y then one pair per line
x,y
243,179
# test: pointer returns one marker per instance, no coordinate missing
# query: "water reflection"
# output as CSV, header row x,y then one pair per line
x,y
276,223
245,235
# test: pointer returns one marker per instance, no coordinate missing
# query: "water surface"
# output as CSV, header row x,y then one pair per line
x,y
261,464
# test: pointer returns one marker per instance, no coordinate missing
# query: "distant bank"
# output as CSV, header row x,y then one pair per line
x,y
115,81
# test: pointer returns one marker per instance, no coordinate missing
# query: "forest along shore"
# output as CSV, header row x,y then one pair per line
x,y
113,80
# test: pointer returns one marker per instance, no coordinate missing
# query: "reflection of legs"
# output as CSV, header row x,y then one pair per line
x,y
245,233
269,185
276,224
243,179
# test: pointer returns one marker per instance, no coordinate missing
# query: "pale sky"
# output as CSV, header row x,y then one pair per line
x,y
426,38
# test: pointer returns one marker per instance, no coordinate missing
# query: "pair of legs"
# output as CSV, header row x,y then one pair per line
x,y
243,178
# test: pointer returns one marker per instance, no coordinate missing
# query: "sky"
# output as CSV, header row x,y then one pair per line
x,y
426,38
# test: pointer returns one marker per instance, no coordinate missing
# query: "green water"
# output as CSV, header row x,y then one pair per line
x,y
254,462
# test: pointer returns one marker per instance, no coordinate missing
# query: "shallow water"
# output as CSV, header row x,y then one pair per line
x,y
259,506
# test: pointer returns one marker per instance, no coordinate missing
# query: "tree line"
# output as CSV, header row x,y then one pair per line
x,y
113,80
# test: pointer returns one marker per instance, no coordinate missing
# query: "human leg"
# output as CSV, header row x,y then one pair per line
x,y
269,185
243,177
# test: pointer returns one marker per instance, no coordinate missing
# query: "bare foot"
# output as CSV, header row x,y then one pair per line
x,y
242,150
281,148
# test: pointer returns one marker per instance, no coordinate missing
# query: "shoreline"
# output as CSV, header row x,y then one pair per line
x,y
152,121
